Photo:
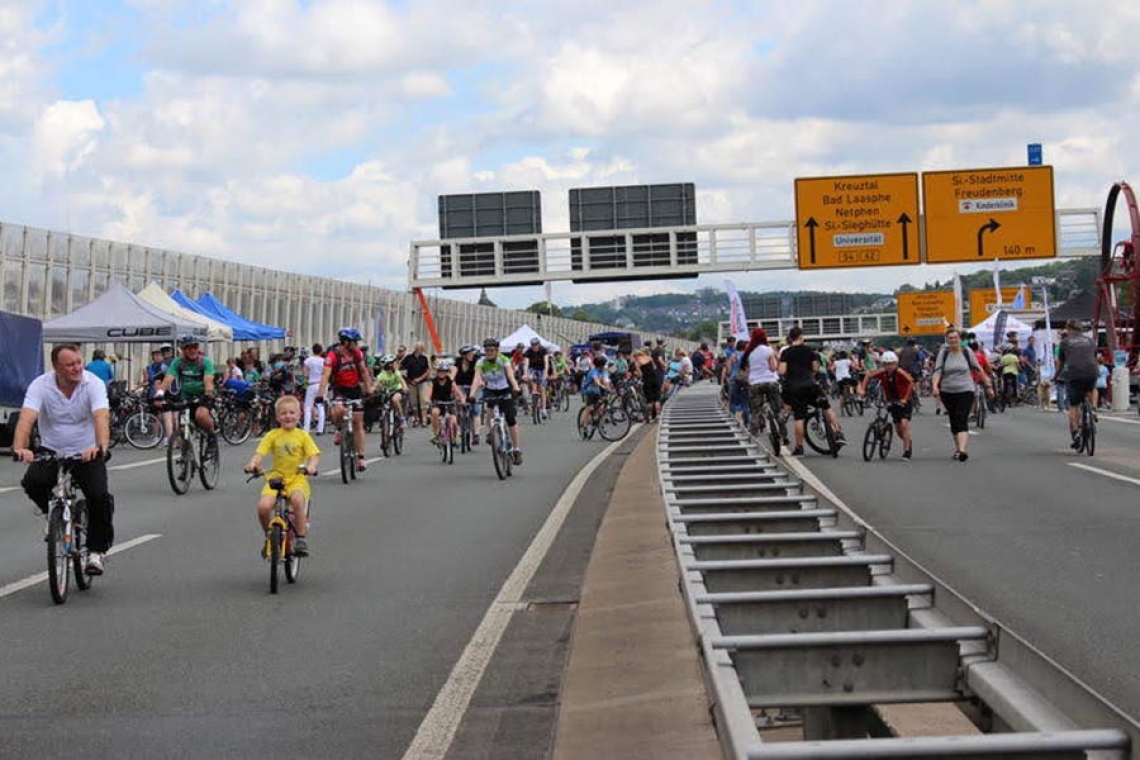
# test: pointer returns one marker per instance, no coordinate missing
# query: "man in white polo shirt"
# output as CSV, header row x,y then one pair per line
x,y
70,405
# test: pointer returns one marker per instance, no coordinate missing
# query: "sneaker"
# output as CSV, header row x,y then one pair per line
x,y
94,564
361,465
798,451
475,440
963,456
301,546
906,454
516,455
435,440
545,415
336,438
840,439
956,455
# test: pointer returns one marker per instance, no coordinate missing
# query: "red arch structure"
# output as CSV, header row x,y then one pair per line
x,y
1118,285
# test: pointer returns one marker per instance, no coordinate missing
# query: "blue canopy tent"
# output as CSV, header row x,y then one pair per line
x,y
244,329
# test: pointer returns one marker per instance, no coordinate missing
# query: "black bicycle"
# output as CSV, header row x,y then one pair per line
x,y
819,433
880,434
605,415
190,450
1086,428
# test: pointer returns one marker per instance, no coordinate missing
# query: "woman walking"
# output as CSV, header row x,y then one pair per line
x,y
953,385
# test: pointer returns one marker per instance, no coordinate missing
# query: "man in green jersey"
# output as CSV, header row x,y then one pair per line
x,y
496,376
194,374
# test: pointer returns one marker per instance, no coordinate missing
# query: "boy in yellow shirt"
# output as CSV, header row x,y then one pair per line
x,y
291,448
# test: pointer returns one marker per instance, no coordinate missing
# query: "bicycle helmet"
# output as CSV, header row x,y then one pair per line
x,y
387,359
889,357
443,366
364,349
188,340
466,348
600,361
535,342
491,343
348,334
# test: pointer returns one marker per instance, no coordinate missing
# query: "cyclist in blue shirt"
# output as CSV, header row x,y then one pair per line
x,y
594,385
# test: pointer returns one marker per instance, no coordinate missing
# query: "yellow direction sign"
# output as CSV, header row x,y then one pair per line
x,y
862,221
925,313
983,301
983,214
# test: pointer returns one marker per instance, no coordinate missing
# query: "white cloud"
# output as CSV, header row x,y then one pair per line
x,y
65,134
316,136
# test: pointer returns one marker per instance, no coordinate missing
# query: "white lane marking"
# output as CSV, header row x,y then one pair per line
x,y
1106,473
437,730
337,471
9,488
1119,419
133,465
32,580
968,432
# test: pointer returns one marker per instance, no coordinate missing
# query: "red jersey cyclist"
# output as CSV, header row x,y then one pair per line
x,y
348,376
898,391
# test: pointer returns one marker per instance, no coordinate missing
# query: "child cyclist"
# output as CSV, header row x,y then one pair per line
x,y
444,390
596,383
295,456
390,381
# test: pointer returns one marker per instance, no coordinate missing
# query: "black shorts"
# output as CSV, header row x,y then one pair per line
x,y
801,400
1079,386
347,392
900,412
506,403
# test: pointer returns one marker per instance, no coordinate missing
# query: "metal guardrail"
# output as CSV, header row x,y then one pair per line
x,y
799,606
649,253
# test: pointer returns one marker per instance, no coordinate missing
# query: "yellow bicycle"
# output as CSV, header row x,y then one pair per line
x,y
282,533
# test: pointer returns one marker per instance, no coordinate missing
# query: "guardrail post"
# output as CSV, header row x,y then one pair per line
x,y
827,723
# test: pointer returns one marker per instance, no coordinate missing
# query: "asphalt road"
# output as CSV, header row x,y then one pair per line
x,y
1022,530
180,651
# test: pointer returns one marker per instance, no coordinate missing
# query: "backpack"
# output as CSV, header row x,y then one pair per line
x,y
741,374
971,360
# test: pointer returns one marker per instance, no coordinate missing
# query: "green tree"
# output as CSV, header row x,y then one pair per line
x,y
705,330
545,308
581,315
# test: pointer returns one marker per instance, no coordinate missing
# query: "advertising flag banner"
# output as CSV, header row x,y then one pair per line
x,y
737,323
997,281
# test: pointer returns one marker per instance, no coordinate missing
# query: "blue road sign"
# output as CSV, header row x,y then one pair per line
x,y
1035,154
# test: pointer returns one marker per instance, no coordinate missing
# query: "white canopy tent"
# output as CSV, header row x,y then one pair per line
x,y
985,330
157,297
523,335
119,316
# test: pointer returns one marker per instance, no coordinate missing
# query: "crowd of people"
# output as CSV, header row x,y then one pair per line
x,y
794,377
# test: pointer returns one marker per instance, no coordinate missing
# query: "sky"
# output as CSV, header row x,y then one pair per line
x,y
315,136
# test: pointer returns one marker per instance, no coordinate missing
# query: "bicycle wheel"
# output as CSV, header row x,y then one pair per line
x,y
209,460
292,561
614,423
565,398
398,438
179,465
79,552
773,433
347,465
499,452
634,408
276,540
585,425
237,425
815,434
58,561
143,430
1088,426
870,442
386,424
535,410
848,404
885,440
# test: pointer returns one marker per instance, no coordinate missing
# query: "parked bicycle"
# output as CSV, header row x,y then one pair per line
x,y
880,434
190,450
282,533
132,422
